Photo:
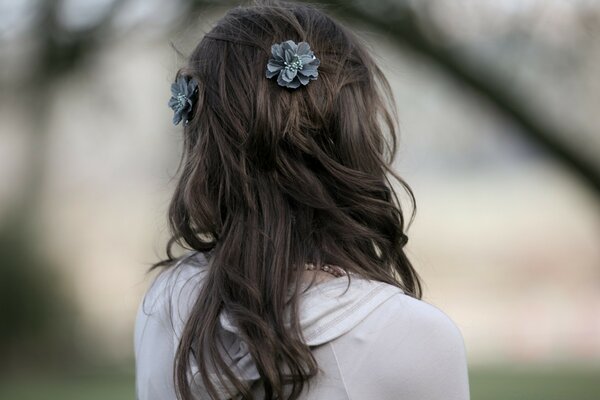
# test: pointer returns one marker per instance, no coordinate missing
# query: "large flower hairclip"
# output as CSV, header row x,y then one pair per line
x,y
183,94
293,64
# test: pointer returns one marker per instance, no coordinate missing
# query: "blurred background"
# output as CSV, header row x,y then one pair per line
x,y
499,106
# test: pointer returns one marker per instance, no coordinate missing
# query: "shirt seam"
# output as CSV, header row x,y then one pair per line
x,y
340,370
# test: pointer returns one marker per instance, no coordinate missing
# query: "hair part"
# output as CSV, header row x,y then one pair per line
x,y
271,179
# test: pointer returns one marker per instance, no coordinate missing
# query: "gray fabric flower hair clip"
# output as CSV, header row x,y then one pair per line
x,y
183,94
293,64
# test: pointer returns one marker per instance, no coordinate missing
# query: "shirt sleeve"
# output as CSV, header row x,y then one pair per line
x,y
406,349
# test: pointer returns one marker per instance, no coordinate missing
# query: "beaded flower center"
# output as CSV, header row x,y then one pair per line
x,y
181,101
295,65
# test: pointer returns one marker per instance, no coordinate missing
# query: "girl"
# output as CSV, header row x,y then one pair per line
x,y
296,284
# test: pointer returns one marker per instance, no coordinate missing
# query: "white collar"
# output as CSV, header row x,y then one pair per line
x,y
326,311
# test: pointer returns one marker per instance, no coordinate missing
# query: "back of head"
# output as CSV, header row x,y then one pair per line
x,y
273,178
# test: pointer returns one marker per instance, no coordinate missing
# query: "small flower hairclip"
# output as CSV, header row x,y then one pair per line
x,y
183,94
293,64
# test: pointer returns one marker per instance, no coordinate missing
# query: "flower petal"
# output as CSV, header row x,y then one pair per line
x,y
175,88
289,56
294,84
303,48
193,86
176,118
173,102
270,74
306,58
280,80
290,45
289,74
189,89
303,79
275,65
315,62
309,72
277,51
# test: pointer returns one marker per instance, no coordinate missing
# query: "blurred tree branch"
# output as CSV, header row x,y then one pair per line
x,y
399,22
63,50
60,52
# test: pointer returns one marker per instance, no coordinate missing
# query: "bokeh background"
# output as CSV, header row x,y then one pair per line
x,y
499,105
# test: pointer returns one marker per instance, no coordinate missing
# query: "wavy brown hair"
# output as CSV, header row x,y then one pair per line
x,y
272,178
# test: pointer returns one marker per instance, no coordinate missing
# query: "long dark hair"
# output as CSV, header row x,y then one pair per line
x,y
272,178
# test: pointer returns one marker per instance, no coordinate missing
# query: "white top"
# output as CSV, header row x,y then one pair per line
x,y
371,342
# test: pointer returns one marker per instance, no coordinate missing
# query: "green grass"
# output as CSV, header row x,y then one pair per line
x,y
490,383
535,383
85,387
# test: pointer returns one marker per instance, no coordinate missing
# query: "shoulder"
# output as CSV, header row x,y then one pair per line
x,y
414,348
170,293
421,317
417,328
402,315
